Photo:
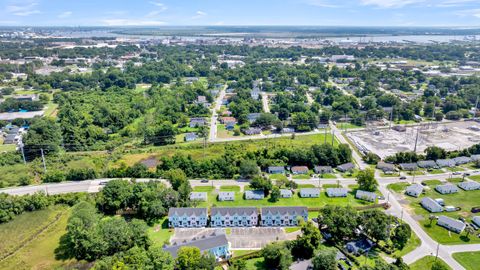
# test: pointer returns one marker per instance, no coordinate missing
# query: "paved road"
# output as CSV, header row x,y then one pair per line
x,y
341,138
266,107
214,117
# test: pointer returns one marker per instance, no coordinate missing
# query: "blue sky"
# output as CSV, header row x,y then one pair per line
x,y
240,12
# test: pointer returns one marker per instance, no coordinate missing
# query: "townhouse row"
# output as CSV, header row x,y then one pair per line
x,y
236,217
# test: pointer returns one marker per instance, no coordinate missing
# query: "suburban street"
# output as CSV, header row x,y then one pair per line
x,y
341,138
266,107
213,120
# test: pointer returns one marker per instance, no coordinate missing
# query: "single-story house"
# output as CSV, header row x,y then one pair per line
x,y
226,196
299,169
366,195
386,167
431,205
360,246
197,122
323,169
287,130
198,196
276,170
254,195
446,189
414,190
215,244
462,160
230,126
252,131
476,220
475,157
469,185
190,137
442,163
337,192
310,192
286,193
227,119
10,139
451,224
346,167
408,166
427,164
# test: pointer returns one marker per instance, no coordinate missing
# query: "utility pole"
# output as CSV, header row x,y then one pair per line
x,y
391,118
23,154
43,159
325,139
416,141
438,247
333,136
476,108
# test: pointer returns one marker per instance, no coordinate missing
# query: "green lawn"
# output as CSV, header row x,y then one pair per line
x,y
301,176
330,186
40,231
255,264
278,177
455,169
327,176
432,183
475,177
436,171
160,233
398,187
7,147
426,263
344,126
463,199
412,244
230,188
237,253
469,260
292,229
455,180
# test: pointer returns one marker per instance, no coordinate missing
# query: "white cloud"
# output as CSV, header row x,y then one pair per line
x,y
131,22
199,14
469,13
322,3
65,14
23,9
391,3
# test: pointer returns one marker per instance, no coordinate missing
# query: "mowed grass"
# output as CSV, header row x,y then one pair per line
x,y
294,201
463,199
160,233
475,177
38,253
426,263
469,260
398,187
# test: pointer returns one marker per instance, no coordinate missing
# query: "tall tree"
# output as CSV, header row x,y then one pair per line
x,y
366,180
325,260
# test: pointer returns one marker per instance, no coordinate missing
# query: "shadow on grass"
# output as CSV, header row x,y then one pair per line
x,y
464,238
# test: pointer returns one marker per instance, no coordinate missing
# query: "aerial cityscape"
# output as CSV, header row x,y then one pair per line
x,y
240,135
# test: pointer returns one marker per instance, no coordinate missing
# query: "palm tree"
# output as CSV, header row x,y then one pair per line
x,y
469,230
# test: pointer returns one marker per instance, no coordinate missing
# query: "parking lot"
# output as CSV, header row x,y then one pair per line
x,y
254,237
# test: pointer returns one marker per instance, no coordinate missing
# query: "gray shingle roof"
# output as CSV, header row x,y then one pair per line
x,y
346,167
366,195
469,185
446,163
427,164
189,211
203,244
282,210
452,223
334,192
233,210
408,166
462,160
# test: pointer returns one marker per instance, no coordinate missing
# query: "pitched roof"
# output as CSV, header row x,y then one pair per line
x,y
310,190
446,162
429,202
462,160
427,164
452,223
189,211
226,194
336,191
203,244
469,185
361,194
416,188
346,166
233,210
282,210
408,166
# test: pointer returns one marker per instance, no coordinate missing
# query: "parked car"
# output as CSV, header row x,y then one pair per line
x,y
476,210
466,174
456,173
103,183
204,181
403,177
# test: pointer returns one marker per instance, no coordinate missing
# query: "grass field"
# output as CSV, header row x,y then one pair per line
x,y
398,187
295,200
475,177
426,263
7,147
160,233
469,260
40,233
463,199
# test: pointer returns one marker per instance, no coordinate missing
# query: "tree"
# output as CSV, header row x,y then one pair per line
x,y
188,258
248,169
277,256
43,134
306,243
366,180
469,230
160,259
435,152
432,218
438,265
238,265
375,224
176,177
275,194
401,235
114,196
338,221
262,183
161,135
439,116
325,260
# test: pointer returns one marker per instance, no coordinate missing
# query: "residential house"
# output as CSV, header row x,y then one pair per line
x,y
337,192
32,97
451,224
198,196
346,167
442,163
431,205
310,192
10,139
252,117
230,126
197,122
469,185
187,217
286,193
233,216
414,190
252,131
217,245
228,119
408,166
427,164
283,216
360,246
366,195
276,170
475,157
462,160
254,195
288,130
299,170
190,137
226,196
323,169
446,189
386,167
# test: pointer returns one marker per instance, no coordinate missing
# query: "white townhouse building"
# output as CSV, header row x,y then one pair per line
x,y
431,205
233,216
446,189
283,216
187,217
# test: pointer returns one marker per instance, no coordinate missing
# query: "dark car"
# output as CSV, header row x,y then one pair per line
x,y
204,181
403,177
103,183
476,210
